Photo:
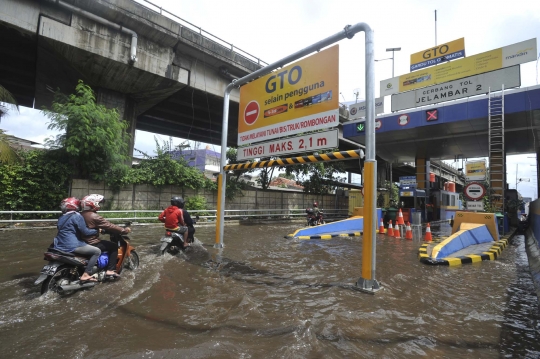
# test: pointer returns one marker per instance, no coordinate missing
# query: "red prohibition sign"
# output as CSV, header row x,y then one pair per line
x,y
251,113
403,119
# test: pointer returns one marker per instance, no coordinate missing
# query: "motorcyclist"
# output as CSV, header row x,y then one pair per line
x,y
70,225
173,217
187,220
317,212
90,205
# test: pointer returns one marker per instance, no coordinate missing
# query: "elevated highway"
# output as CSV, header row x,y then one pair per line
x,y
172,84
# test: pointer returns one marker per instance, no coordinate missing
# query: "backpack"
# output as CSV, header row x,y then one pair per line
x,y
103,260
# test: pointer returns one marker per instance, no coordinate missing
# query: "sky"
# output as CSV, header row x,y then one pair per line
x,y
273,30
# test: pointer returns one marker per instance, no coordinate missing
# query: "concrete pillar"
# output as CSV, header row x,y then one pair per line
x,y
422,173
125,107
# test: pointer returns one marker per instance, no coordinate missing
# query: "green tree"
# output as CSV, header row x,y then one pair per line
x,y
163,169
94,138
7,102
37,183
316,178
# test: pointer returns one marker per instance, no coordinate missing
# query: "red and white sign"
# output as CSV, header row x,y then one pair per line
x,y
378,124
251,113
474,191
403,119
307,143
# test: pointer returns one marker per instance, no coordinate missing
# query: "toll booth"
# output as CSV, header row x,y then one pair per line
x,y
412,200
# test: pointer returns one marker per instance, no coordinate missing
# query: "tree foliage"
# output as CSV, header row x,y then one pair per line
x,y
316,177
7,102
163,170
94,137
39,182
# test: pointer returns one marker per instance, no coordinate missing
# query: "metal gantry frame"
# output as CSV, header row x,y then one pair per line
x,y
368,282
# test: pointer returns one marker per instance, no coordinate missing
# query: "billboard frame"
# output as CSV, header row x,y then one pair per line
x,y
367,282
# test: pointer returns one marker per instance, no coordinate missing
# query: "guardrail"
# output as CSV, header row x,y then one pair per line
x,y
202,32
148,215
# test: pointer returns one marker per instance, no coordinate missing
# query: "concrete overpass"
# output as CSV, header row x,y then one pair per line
x,y
172,85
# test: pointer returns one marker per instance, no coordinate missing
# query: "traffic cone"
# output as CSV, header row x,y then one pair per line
x,y
390,231
396,231
428,233
408,233
381,227
400,218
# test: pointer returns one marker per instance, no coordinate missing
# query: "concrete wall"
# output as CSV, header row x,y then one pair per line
x,y
148,197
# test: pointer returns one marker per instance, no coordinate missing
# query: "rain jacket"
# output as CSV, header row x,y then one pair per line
x,y
173,217
71,227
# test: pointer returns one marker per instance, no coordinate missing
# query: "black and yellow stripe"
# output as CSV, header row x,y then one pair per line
x,y
325,157
493,253
326,236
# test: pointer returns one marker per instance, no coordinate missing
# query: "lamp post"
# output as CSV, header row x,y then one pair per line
x,y
393,49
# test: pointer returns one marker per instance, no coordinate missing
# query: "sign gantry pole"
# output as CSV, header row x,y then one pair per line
x,y
367,282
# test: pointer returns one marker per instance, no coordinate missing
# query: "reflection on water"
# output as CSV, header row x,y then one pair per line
x,y
265,296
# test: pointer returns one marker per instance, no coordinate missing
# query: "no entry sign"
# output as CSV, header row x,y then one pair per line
x,y
474,191
251,113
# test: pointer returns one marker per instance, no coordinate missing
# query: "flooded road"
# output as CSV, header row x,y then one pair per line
x,y
266,296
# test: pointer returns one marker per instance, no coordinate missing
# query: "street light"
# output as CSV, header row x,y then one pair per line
x,y
391,58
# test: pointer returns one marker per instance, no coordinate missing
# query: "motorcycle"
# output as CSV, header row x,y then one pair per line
x,y
313,219
62,273
174,239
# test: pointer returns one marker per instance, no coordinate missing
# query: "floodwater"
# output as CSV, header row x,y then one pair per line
x,y
263,296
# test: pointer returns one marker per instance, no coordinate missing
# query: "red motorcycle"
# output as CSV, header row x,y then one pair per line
x,y
314,219
62,273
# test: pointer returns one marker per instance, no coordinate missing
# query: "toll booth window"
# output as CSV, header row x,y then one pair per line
x,y
446,200
453,201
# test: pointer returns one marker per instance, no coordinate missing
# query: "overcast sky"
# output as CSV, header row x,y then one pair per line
x,y
273,30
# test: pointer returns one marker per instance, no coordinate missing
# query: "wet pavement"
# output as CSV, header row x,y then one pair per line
x,y
266,296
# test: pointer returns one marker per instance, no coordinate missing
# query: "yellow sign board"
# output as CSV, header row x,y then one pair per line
x,y
511,55
475,171
298,98
445,52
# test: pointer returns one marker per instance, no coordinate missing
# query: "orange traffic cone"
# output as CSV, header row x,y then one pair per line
x,y
390,231
408,233
396,231
381,227
400,218
428,233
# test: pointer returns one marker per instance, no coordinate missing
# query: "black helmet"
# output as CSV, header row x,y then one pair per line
x,y
177,201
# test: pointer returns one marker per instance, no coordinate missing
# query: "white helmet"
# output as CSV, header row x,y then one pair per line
x,y
91,202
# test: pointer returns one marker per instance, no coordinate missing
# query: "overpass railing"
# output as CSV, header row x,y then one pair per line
x,y
204,33
11,217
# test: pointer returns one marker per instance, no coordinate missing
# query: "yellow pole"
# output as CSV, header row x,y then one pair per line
x,y
367,244
218,219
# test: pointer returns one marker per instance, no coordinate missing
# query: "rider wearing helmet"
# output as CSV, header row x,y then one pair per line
x,y
317,212
69,226
173,216
90,205
187,219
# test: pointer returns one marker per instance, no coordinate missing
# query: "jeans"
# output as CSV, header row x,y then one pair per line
x,y
89,251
